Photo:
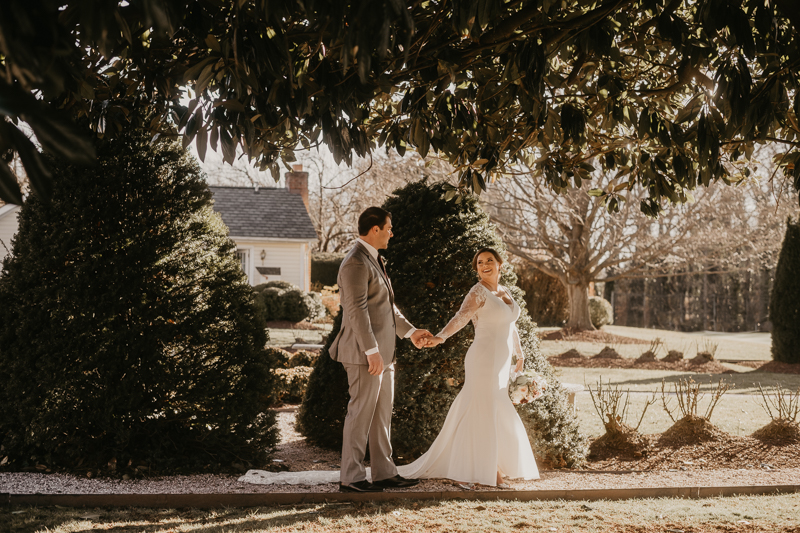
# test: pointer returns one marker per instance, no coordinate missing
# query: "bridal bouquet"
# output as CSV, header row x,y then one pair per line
x,y
526,386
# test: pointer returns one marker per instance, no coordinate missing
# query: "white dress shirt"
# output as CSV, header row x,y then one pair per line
x,y
374,253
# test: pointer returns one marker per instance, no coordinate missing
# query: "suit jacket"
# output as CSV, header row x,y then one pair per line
x,y
370,317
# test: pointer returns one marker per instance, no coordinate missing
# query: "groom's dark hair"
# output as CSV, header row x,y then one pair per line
x,y
371,217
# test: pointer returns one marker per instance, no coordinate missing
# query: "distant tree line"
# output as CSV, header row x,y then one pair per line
x,y
686,301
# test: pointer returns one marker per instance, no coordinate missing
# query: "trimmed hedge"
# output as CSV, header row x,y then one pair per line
x,y
325,267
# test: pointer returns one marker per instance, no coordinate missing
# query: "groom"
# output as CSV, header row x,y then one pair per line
x,y
365,346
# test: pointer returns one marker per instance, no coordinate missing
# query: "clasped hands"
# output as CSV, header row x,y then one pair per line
x,y
422,338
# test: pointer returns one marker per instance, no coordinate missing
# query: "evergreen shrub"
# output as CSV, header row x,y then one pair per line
x,y
325,267
271,302
278,284
292,383
545,296
280,357
297,305
129,333
281,300
600,311
302,358
430,263
784,308
321,415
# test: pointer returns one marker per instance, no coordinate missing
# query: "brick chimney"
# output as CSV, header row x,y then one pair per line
x,y
297,182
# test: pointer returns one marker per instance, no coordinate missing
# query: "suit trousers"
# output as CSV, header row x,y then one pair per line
x,y
369,418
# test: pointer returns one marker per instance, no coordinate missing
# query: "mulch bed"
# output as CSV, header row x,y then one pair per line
x,y
684,365
723,451
565,334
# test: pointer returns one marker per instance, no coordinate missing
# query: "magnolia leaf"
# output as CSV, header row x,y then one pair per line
x,y
202,142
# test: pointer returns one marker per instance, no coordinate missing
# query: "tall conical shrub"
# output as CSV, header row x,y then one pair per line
x,y
784,306
321,415
429,261
128,332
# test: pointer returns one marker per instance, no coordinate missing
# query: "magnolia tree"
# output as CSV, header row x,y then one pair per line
x,y
658,92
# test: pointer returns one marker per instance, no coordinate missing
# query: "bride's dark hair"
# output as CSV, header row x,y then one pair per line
x,y
492,251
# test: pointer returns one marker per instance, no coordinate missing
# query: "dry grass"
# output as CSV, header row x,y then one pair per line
x,y
731,515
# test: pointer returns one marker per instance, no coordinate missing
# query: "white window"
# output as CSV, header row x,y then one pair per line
x,y
244,258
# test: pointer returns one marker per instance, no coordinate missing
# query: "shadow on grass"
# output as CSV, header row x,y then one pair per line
x,y
142,520
644,380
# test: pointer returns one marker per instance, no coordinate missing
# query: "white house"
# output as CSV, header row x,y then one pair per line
x,y
272,229
8,228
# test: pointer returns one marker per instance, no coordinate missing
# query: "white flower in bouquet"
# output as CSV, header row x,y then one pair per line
x,y
526,386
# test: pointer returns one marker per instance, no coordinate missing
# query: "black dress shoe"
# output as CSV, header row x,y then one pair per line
x,y
396,482
359,486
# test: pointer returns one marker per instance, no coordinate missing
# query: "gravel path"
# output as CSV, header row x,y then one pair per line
x,y
295,455
34,483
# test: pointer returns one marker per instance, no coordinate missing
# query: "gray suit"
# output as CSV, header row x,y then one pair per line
x,y
369,320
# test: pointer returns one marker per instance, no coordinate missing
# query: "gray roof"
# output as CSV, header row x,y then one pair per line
x,y
269,212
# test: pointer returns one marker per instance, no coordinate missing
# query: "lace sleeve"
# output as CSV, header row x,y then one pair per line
x,y
474,300
518,353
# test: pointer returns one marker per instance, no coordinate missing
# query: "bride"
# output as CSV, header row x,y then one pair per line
x,y
483,438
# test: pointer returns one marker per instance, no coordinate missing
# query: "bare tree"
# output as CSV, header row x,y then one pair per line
x,y
572,238
337,195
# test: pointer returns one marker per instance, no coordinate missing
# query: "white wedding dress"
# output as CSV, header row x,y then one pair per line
x,y
482,432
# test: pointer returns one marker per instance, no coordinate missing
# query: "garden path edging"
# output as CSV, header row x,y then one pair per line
x,y
205,501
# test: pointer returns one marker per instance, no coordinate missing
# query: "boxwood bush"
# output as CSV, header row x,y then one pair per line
x,y
281,300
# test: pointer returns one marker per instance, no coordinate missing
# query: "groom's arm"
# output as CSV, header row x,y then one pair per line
x,y
353,298
405,330
402,326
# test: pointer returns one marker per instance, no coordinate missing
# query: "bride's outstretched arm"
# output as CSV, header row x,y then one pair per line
x,y
474,300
